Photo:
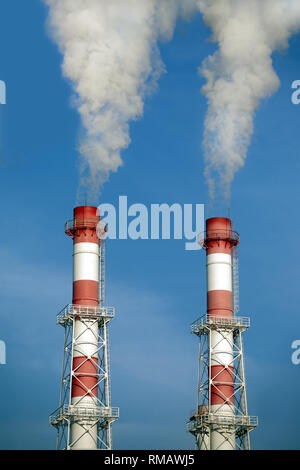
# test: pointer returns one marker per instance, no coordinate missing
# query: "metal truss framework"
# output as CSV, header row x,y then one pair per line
x,y
206,419
101,414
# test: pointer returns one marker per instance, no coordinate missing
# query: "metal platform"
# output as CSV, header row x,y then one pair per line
x,y
246,423
73,412
72,311
228,236
207,322
83,223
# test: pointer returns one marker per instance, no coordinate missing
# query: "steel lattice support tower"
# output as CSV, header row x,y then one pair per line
x,y
221,420
84,417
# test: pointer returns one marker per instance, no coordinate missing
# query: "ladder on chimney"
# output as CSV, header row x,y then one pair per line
x,y
235,280
102,272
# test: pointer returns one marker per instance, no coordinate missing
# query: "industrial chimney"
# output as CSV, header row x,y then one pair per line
x,y
84,417
221,420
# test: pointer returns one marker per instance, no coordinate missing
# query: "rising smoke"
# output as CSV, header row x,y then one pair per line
x,y
239,75
111,57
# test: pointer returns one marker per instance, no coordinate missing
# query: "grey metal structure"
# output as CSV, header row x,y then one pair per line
x,y
103,415
206,419
95,419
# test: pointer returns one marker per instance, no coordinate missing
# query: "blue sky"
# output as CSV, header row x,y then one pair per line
x,y
158,287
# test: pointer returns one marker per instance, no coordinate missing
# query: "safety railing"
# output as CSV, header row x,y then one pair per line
x,y
229,236
81,223
72,227
222,420
227,322
71,311
73,411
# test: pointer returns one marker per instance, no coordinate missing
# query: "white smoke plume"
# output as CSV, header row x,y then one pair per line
x,y
239,75
111,57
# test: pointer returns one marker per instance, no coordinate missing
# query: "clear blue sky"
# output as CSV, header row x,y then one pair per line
x,y
158,288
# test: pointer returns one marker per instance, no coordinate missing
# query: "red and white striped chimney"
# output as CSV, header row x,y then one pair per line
x,y
219,241
85,293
